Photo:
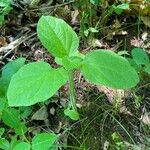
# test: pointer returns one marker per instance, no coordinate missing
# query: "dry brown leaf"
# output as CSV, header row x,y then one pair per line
x,y
40,114
115,96
74,16
3,41
111,93
137,42
146,20
145,117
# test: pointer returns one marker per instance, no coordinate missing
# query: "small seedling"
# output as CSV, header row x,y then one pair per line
x,y
38,81
25,85
140,61
118,9
119,144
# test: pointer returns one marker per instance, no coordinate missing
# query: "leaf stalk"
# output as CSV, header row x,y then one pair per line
x,y
72,90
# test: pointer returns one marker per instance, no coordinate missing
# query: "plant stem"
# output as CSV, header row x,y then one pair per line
x,y
24,137
72,90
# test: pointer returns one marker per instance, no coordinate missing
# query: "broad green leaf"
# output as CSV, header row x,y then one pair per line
x,y
35,82
25,111
3,87
106,68
119,8
58,61
74,115
8,71
44,141
2,130
22,146
57,36
4,144
147,68
21,130
134,65
12,67
140,56
11,117
3,103
14,141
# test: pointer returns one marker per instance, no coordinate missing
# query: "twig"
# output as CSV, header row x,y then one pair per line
x,y
13,45
49,7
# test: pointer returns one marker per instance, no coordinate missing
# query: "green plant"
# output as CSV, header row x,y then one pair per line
x,y
36,82
98,19
119,144
25,85
12,117
4,9
118,9
140,60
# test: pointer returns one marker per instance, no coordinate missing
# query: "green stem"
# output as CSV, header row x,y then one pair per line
x,y
24,137
72,90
